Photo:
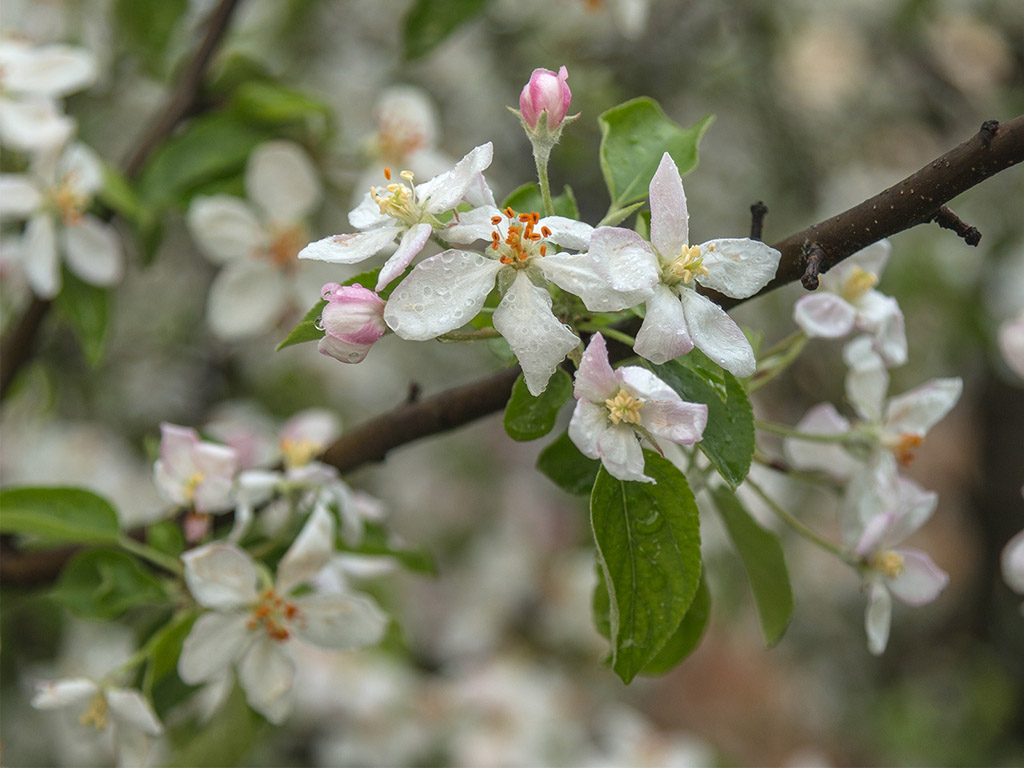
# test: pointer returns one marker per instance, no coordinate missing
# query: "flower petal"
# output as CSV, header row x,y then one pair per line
x,y
131,708
82,168
595,379
469,226
33,125
341,621
352,247
19,196
1012,563
221,576
664,413
589,421
878,617
225,228
309,553
566,233
52,70
822,419
717,335
921,580
881,316
621,454
444,192
663,334
441,294
39,256
825,315
579,275
539,341
65,692
93,251
738,267
918,410
625,260
669,217
867,381
266,673
408,249
282,181
247,299
213,643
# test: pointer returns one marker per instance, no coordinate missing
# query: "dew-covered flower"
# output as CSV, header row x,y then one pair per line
x,y
846,299
194,473
54,197
446,291
677,316
251,620
547,93
257,241
353,321
618,408
405,212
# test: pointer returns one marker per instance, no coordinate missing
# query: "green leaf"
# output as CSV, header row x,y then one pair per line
x,y
648,545
146,28
222,740
167,537
528,417
728,440
103,584
762,557
527,198
602,606
634,136
307,329
58,515
428,22
567,468
274,104
165,647
87,310
117,193
685,639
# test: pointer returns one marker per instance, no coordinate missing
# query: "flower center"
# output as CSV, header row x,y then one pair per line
x,y
888,563
68,202
286,244
398,138
858,283
520,242
297,453
96,713
274,614
191,484
686,266
397,200
903,446
624,407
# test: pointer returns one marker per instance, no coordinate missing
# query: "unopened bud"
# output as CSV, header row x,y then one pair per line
x,y
546,92
353,321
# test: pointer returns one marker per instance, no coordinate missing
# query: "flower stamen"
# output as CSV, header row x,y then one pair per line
x,y
686,266
624,408
888,563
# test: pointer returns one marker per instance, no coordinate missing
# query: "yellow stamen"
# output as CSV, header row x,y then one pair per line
x,y
888,563
96,713
686,266
858,283
191,483
624,407
297,453
903,446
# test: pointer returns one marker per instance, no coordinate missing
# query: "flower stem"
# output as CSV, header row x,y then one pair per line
x,y
154,556
798,526
608,332
811,437
477,335
541,153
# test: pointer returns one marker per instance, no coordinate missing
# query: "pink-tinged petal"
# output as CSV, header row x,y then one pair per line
x,y
921,580
408,249
875,533
132,709
176,446
281,180
664,413
225,228
539,341
545,93
469,226
213,643
19,196
309,553
878,617
213,494
343,351
266,673
589,421
621,454
221,576
353,247
825,315
93,251
867,381
444,192
214,460
918,410
669,218
33,125
717,335
913,506
318,426
441,294
663,334
247,299
566,233
870,492
341,621
624,259
65,692
39,256
595,379
738,267
1012,562
822,419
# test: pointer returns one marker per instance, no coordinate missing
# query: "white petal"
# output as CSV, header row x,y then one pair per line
x,y
669,217
824,314
566,233
867,381
1011,343
93,251
213,643
366,215
247,299
281,180
878,617
595,379
913,506
539,341
221,576
664,413
19,197
216,465
578,274
225,228
716,335
873,258
83,168
444,192
469,226
408,249
341,621
822,419
65,692
266,673
918,410
663,334
39,256
1012,561
131,708
738,267
921,580
351,248
309,553
441,294
621,454
881,315
588,423
625,260
33,125
53,70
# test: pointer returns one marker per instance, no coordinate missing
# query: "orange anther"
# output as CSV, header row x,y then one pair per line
x,y
535,217
495,220
510,213
387,174
543,250
546,231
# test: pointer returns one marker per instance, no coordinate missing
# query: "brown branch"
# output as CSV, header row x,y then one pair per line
x,y
18,343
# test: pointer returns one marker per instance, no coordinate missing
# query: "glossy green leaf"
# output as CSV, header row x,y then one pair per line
x,y
601,606
307,329
728,440
58,515
567,468
527,198
528,417
648,545
146,29
634,136
87,309
762,557
428,22
103,584
687,637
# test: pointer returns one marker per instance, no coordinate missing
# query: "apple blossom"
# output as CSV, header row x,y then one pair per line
x,y
546,94
1012,563
249,626
677,317
402,211
353,321
1011,343
617,408
194,473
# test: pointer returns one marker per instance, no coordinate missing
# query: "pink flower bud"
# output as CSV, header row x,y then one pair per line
x,y
353,320
546,92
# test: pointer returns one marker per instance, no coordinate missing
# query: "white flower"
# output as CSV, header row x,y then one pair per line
x,y
257,242
617,408
446,291
404,212
677,317
1012,562
194,473
846,299
1011,343
54,197
249,626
